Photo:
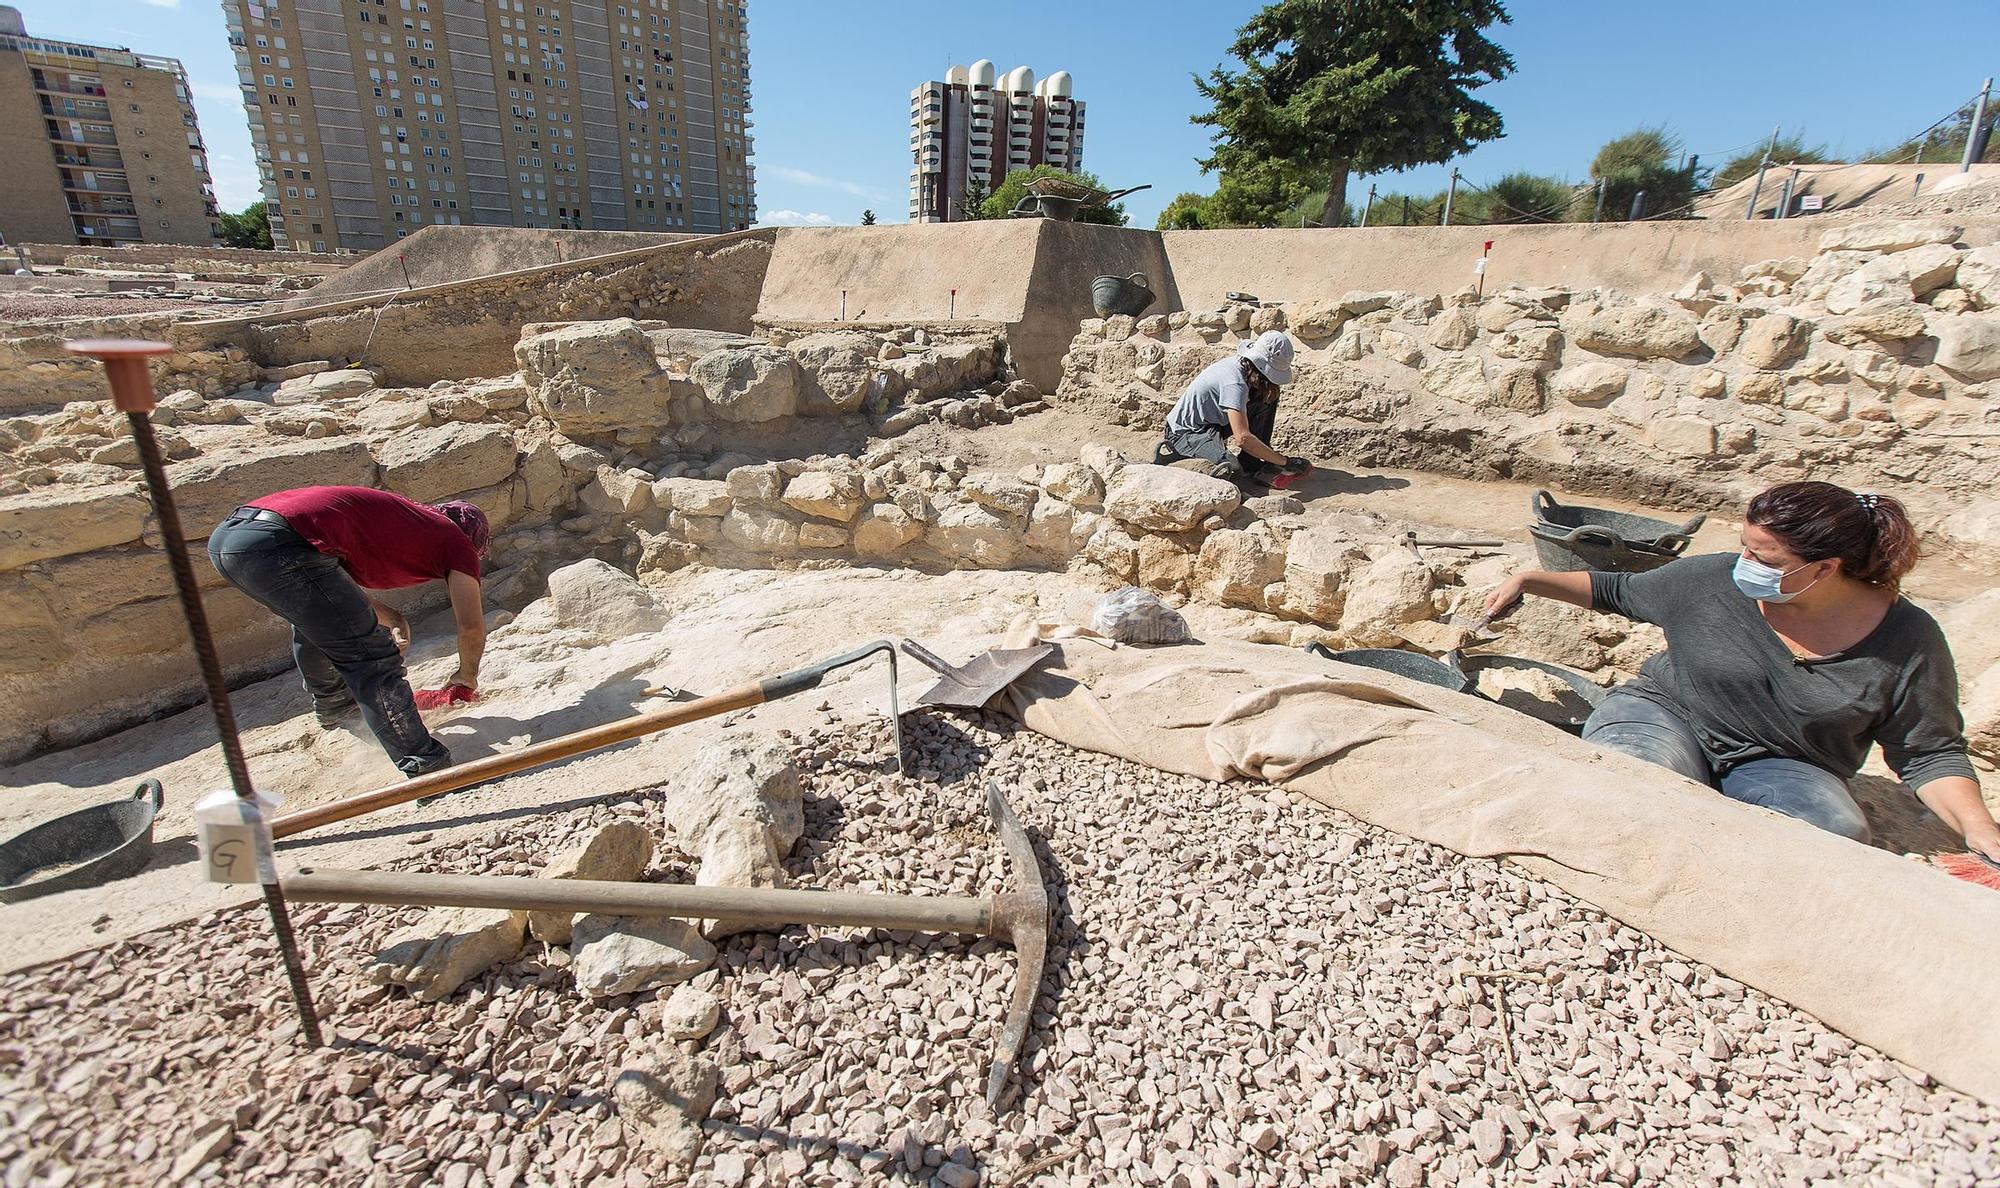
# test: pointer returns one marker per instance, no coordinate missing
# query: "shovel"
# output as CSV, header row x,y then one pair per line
x,y
979,680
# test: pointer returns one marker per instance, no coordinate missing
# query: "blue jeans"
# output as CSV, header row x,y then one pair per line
x,y
342,651
1633,725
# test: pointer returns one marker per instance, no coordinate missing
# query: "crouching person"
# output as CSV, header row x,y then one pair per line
x,y
1228,413
312,555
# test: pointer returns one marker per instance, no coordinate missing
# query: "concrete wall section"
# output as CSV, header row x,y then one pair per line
x,y
900,274
468,328
1280,265
440,255
1069,257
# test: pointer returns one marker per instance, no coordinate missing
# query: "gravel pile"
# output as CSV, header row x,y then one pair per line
x,y
1241,990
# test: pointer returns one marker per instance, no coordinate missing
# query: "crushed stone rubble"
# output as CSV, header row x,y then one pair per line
x,y
1243,989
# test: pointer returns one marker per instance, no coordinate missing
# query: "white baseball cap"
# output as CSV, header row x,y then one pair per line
x,y
1271,352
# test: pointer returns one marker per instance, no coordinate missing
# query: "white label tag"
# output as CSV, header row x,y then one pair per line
x,y
233,837
1479,265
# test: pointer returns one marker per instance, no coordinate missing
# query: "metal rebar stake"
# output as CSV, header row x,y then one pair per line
x,y
132,391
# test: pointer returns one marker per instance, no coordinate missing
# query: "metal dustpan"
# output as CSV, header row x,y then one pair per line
x,y
979,680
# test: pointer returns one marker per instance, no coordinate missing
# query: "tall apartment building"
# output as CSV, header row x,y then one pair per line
x,y
100,144
968,127
373,118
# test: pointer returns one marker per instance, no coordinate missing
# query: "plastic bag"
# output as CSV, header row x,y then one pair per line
x,y
1133,615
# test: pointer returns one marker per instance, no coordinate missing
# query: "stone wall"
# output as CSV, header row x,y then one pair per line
x,y
37,373
184,258
561,455
468,328
1870,361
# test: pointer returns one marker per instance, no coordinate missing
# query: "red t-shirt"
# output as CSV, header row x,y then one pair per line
x,y
384,541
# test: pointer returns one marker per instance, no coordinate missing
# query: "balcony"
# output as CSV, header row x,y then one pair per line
x,y
95,92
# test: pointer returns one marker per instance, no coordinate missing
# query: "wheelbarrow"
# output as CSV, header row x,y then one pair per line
x,y
1055,198
82,849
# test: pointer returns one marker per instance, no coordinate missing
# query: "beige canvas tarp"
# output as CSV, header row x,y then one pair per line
x,y
1887,950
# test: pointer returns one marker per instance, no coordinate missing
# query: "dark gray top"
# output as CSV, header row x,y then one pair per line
x,y
1729,676
1209,397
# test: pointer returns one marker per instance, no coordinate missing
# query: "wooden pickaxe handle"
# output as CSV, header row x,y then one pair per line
x,y
595,738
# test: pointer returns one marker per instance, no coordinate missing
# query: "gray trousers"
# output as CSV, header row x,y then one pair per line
x,y
1210,443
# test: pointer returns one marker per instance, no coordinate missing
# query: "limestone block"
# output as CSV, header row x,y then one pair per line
x,y
1267,318
1074,484
1708,383
1773,341
1053,529
1636,329
429,465
1589,383
689,1013
597,597
1902,277
751,777
61,520
663,1102
1454,329
1113,550
545,482
754,484
759,530
1153,326
619,492
593,378
448,948
830,495
1105,460
1765,388
1317,562
1888,235
748,384
1000,494
1457,377
1167,499
618,852
967,532
613,955
1979,276
325,386
1530,344
1503,310
1687,436
1397,347
1968,345
883,529
1315,320
1787,269
1518,386
210,487
834,369
1164,564
1722,327
814,534
1237,564
1385,594
1887,323
1950,301
692,496
31,636
738,852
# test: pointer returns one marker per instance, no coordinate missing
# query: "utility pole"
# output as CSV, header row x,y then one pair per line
x,y
1975,142
1450,196
1761,167
1598,215
1365,207
1785,198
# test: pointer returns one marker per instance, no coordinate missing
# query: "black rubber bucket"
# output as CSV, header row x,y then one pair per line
x,y
1404,664
1571,537
81,849
1114,295
1570,717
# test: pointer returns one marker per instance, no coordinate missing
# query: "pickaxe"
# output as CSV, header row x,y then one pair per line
x,y
1019,916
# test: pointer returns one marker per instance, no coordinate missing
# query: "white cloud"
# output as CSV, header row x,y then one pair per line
x,y
805,178
795,218
220,92
162,3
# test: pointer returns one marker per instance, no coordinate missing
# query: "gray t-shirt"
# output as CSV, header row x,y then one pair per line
x,y
1210,396
1729,676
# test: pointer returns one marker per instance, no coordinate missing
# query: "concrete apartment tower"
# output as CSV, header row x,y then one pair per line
x,y
972,126
101,146
372,119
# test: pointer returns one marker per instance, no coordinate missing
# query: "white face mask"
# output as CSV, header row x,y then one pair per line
x,y
1764,582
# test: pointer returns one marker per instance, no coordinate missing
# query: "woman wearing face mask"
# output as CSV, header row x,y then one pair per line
x,y
1786,661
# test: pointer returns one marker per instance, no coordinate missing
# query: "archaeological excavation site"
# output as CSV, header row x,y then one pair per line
x,y
850,735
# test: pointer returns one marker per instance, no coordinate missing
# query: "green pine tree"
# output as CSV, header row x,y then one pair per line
x,y
868,218
1329,87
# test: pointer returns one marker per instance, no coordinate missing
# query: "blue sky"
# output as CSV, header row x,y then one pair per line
x,y
832,81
